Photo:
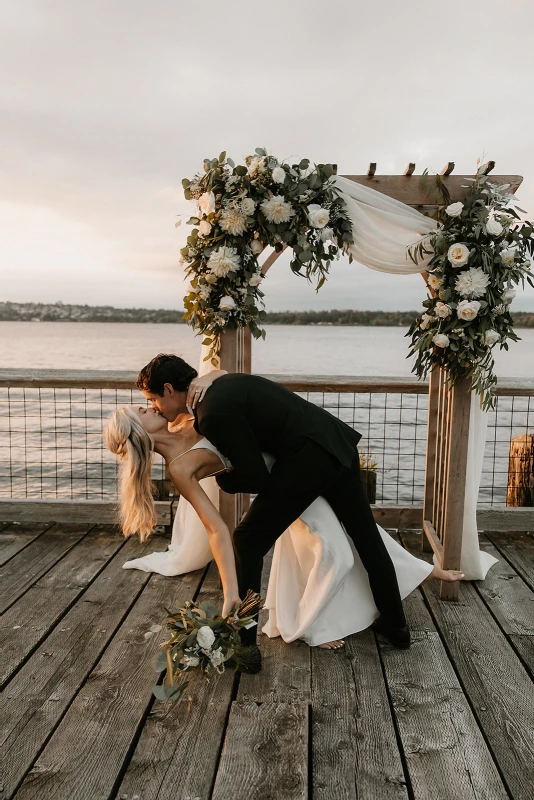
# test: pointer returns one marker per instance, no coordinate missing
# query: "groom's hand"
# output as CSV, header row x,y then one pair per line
x,y
199,386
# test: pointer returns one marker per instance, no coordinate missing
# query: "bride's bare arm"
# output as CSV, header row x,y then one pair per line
x,y
218,533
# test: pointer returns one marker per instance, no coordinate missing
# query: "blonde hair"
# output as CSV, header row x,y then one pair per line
x,y
125,436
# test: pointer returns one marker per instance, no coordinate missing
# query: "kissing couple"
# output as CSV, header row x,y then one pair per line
x,y
334,571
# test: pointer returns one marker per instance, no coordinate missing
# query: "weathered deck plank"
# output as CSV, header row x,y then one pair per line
x,y
36,559
14,538
29,620
354,749
89,748
497,684
265,753
518,550
39,694
178,750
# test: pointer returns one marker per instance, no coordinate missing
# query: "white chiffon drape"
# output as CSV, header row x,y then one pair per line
x,y
383,228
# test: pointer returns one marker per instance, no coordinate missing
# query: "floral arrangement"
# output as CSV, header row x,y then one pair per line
x,y
242,210
203,641
480,251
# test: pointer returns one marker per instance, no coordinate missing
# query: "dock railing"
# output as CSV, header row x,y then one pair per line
x,y
54,465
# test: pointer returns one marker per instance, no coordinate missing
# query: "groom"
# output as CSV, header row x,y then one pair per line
x,y
316,455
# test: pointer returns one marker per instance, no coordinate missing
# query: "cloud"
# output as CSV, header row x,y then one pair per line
x,y
109,105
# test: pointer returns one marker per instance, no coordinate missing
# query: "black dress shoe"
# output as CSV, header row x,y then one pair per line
x,y
398,637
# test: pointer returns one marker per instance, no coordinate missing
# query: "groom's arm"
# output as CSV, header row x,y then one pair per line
x,y
235,439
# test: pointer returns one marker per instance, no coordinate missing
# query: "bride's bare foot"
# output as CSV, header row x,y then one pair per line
x,y
337,644
449,575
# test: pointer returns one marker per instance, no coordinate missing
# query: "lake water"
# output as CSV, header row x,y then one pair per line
x,y
51,440
288,349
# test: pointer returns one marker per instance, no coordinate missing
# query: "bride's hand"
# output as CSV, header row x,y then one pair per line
x,y
229,605
199,386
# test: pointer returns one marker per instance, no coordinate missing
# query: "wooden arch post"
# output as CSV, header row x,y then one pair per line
x,y
448,409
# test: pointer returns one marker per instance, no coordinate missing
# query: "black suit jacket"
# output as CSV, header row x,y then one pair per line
x,y
245,415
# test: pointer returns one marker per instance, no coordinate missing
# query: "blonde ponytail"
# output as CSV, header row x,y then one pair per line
x,y
125,436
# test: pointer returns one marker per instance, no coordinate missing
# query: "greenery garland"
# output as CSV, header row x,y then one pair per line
x,y
480,251
241,211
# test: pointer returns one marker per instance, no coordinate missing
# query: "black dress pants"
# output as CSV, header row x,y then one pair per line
x,y
297,480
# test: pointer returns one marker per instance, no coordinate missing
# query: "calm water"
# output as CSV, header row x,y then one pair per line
x,y
51,442
288,349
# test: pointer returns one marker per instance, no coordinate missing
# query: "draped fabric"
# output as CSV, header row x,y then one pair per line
x,y
383,229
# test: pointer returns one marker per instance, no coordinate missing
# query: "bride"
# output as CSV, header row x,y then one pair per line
x,y
318,588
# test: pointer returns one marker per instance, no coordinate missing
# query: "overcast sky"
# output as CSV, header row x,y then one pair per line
x,y
107,104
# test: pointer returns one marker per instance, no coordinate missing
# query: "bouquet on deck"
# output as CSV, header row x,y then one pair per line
x,y
203,641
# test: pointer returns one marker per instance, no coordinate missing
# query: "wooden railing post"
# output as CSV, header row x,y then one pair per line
x,y
235,356
431,453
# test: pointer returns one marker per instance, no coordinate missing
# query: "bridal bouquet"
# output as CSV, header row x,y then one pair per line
x,y
240,211
481,250
203,641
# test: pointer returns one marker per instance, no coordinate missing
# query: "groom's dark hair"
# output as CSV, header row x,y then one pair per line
x,y
165,368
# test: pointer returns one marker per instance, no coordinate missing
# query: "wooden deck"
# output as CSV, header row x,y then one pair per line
x,y
453,717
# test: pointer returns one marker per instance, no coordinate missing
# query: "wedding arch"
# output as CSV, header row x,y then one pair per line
x,y
462,233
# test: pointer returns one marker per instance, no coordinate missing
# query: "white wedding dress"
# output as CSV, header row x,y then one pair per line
x,y
318,587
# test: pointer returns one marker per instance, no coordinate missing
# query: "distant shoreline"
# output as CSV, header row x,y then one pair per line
x,y
63,312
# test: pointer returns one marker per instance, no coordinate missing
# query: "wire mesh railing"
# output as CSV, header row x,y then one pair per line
x,y
51,444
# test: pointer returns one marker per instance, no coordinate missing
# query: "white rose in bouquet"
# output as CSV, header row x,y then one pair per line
x,y
204,228
226,303
256,279
278,175
247,206
317,216
441,340
508,295
256,165
435,282
442,310
217,657
454,210
206,203
256,246
491,337
426,320
494,227
458,255
468,309
205,637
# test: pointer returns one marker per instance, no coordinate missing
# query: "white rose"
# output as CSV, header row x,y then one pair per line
x,y
442,310
458,255
468,309
256,279
206,203
256,246
226,303
455,209
490,337
205,637
508,256
204,228
317,216
191,661
494,227
426,320
247,206
441,340
278,175
508,295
